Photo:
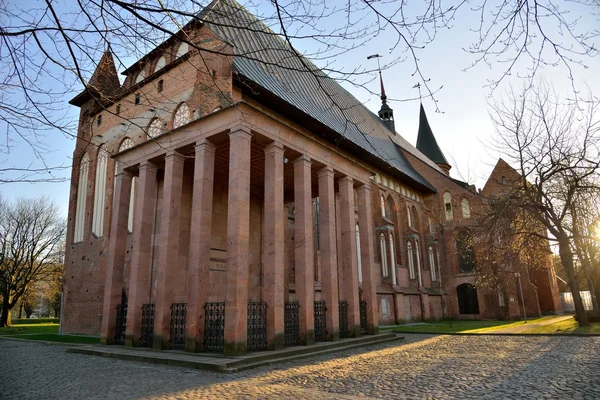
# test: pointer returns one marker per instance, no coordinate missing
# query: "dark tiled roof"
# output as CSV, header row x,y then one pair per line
x,y
104,83
264,58
426,142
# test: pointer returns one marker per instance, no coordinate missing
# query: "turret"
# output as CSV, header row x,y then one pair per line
x,y
386,113
427,144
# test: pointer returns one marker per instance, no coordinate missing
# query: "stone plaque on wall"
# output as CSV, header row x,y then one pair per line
x,y
218,260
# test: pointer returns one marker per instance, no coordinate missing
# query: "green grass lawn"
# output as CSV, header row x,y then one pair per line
x,y
45,331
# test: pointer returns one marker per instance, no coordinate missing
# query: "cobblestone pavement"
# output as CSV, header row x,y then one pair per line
x,y
421,367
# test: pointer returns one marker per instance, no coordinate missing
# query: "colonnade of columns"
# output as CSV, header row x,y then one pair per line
x,y
238,234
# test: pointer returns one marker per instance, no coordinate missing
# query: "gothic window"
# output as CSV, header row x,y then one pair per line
x,y
432,264
430,224
358,255
84,166
382,206
182,50
418,257
467,299
384,306
393,258
448,206
100,191
501,301
140,77
182,116
389,207
317,219
464,248
384,263
155,128
160,64
466,209
127,144
411,262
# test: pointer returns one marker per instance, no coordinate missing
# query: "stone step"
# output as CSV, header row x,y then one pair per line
x,y
220,363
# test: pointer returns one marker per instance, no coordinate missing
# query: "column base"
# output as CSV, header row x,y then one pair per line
x,y
193,346
235,348
277,343
308,339
373,330
131,341
333,336
354,332
159,343
107,341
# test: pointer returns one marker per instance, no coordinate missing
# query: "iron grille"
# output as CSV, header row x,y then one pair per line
x,y
363,317
344,332
121,323
178,320
147,325
320,313
257,326
214,327
291,324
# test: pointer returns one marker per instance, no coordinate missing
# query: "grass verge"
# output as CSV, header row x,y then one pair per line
x,y
45,331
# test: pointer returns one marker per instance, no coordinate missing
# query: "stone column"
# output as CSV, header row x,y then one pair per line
x,y
349,268
238,227
273,244
168,249
200,236
329,278
304,251
139,283
113,285
369,283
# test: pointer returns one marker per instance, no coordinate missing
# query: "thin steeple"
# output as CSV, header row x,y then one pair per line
x,y
427,144
105,80
386,113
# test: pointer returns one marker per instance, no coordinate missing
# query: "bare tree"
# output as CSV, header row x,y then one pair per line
x,y
556,150
50,48
31,231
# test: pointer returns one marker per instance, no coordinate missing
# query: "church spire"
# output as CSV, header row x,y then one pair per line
x,y
427,144
386,113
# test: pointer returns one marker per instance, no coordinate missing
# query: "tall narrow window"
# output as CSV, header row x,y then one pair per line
x,y
393,259
501,301
464,248
466,208
84,166
382,206
316,213
358,255
389,207
182,116
448,206
411,262
99,120
160,85
432,264
127,144
418,257
409,216
100,191
384,263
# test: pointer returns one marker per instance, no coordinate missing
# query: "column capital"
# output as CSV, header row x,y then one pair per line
x,y
148,166
302,159
175,155
203,144
366,187
346,180
121,171
240,131
325,171
274,148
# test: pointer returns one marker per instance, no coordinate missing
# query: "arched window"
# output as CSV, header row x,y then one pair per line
x,y
432,263
384,264
140,77
160,64
382,206
409,215
156,128
389,207
418,257
393,259
127,144
100,191
84,167
464,249
501,301
182,50
411,262
465,207
467,299
415,217
448,206
358,255
182,116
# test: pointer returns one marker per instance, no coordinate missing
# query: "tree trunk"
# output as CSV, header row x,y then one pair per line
x,y
582,254
566,256
5,319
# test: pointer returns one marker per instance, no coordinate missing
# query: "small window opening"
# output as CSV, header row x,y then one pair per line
x,y
118,109
160,85
504,180
99,119
137,98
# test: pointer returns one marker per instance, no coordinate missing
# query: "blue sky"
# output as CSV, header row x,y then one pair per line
x,y
463,128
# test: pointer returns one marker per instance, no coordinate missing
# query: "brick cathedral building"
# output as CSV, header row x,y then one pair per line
x,y
236,198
